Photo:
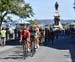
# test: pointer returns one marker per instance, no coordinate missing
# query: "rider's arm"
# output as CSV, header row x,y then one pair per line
x,y
28,35
44,33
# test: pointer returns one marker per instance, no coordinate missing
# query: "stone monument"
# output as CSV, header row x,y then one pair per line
x,y
57,23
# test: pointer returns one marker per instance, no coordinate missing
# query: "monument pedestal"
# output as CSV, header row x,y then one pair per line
x,y
58,27
57,23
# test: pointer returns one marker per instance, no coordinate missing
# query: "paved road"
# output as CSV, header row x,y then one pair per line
x,y
61,51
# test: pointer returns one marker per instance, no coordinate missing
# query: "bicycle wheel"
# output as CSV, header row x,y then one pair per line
x,y
33,50
24,51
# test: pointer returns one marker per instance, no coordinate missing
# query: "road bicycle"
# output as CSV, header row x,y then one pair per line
x,y
33,50
24,45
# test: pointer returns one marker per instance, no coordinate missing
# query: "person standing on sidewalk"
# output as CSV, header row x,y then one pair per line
x,y
3,37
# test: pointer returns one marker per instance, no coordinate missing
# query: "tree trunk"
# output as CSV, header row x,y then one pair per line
x,y
2,18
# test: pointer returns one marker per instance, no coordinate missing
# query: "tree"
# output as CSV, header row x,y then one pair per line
x,y
33,22
17,7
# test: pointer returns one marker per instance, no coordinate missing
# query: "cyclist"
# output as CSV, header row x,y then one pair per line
x,y
25,35
37,36
32,38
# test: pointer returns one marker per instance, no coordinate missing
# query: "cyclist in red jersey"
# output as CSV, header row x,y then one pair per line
x,y
25,32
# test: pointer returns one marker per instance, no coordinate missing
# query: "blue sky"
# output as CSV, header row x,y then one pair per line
x,y
44,9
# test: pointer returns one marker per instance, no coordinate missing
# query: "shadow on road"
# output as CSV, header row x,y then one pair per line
x,y
12,57
16,54
12,42
65,43
61,43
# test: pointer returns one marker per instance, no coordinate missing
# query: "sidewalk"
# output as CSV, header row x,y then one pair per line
x,y
4,48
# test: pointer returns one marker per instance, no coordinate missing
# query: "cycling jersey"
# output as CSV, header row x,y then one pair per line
x,y
26,33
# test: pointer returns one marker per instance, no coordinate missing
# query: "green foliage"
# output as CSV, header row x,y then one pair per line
x,y
33,22
17,7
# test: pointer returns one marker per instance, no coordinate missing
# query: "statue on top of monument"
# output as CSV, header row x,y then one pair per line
x,y
56,6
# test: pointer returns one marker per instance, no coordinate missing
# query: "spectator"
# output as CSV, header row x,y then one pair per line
x,y
3,37
46,34
51,35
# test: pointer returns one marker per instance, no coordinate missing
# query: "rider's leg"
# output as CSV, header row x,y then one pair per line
x,y
38,42
35,42
28,45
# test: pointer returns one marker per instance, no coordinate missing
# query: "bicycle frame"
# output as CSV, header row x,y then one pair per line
x,y
33,50
24,44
